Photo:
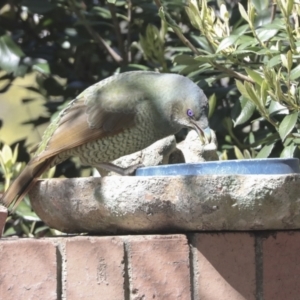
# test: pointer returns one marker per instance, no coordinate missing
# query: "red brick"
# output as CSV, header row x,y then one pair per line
x,y
3,216
224,266
95,268
281,265
159,267
27,269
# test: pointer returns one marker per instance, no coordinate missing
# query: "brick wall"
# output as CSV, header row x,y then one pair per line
x,y
215,266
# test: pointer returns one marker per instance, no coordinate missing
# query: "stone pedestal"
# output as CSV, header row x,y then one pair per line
x,y
117,204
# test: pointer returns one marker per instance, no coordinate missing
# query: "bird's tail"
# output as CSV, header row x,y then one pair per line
x,y
24,182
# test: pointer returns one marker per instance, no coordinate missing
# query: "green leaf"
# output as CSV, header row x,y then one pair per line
x,y
267,51
202,42
24,211
10,56
224,155
6,153
260,4
10,231
193,15
138,67
287,125
251,44
41,229
284,61
243,53
263,16
266,34
289,8
251,137
15,154
243,12
101,11
265,151
42,67
164,15
227,123
189,69
206,58
247,154
278,23
264,91
242,89
252,94
227,42
288,151
212,101
295,73
112,1
296,141
248,108
277,108
240,31
184,59
274,61
289,57
288,140
238,153
255,76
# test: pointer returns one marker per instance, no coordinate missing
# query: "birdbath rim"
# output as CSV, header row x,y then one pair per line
x,y
226,167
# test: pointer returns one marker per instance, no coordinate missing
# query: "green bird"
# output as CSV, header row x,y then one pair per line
x,y
117,116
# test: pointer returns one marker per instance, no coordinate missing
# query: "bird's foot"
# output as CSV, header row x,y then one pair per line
x,y
129,171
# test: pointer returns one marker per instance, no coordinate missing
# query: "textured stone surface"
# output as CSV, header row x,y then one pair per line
x,y
94,268
224,266
194,151
159,267
3,216
28,269
169,204
281,266
156,154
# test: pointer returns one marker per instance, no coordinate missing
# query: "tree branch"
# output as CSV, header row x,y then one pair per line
x,y
97,38
118,31
186,42
232,73
180,35
129,17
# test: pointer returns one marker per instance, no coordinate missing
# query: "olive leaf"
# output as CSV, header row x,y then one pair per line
x,y
238,153
265,151
248,108
11,56
287,125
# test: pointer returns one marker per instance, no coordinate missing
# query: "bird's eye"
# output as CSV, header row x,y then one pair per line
x,y
190,113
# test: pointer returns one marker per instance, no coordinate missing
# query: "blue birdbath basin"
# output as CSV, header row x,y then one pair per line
x,y
226,167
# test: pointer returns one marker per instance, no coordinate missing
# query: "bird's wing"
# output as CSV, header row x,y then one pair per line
x,y
82,122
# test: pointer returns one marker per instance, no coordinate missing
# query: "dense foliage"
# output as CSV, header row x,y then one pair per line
x,y
244,54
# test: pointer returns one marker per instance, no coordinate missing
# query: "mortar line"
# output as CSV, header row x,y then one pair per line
x,y
126,284
58,274
63,275
259,267
193,266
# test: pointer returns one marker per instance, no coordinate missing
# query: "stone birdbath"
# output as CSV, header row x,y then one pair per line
x,y
228,195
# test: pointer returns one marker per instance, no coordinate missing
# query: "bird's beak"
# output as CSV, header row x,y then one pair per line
x,y
204,134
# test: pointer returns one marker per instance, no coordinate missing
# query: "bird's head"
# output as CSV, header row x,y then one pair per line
x,y
187,105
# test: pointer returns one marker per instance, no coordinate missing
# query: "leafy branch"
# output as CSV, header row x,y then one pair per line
x,y
97,38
